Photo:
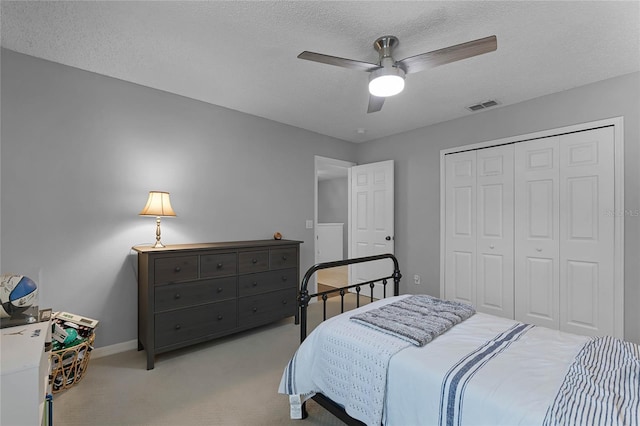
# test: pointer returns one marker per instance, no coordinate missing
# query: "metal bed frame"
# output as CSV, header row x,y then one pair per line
x,y
303,301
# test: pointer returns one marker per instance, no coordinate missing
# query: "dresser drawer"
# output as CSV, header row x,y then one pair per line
x,y
174,269
218,265
263,308
249,285
182,325
174,296
283,258
253,261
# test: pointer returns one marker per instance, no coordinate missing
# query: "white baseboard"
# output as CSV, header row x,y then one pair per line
x,y
114,349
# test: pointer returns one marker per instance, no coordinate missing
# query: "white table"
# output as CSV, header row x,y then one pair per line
x,y
25,367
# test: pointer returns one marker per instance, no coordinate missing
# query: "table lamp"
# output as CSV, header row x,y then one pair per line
x,y
158,205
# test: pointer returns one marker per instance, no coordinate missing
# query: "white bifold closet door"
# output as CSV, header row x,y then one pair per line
x,y
564,234
529,232
479,201
537,209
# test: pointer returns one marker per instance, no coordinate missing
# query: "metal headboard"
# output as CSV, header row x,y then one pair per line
x,y
304,297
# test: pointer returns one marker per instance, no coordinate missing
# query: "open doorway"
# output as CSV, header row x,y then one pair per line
x,y
332,213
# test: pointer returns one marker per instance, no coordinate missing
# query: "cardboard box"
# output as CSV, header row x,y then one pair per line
x,y
76,319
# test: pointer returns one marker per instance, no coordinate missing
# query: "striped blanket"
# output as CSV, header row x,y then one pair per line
x,y
602,386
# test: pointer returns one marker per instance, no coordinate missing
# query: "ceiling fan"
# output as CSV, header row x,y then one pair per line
x,y
386,78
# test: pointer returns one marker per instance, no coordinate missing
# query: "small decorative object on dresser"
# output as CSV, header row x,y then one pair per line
x,y
191,293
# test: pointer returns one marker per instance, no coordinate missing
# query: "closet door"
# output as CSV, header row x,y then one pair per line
x,y
537,232
494,244
460,227
587,232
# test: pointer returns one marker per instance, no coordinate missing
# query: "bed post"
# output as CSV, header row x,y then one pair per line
x,y
303,300
396,279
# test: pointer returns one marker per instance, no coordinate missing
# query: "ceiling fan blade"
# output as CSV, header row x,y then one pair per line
x,y
340,62
375,104
449,54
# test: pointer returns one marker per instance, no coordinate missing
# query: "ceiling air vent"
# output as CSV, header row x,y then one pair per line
x,y
482,105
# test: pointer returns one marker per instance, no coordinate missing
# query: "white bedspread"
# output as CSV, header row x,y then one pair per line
x,y
347,362
511,385
484,371
514,383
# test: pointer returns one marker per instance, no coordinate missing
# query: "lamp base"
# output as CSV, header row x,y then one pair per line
x,y
158,244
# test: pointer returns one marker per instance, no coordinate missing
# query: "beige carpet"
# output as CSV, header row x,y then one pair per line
x,y
229,381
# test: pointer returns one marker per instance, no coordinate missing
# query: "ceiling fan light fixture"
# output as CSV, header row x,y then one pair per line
x,y
387,81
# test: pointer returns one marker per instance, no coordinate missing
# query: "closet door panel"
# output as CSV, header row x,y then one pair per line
x,y
587,232
541,296
537,232
494,186
460,227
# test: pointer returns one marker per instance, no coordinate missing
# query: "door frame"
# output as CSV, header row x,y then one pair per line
x,y
618,132
320,163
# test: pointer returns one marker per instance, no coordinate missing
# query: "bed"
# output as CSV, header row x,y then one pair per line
x,y
479,369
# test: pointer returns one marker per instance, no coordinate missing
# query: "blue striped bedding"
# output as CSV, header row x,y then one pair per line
x,y
602,386
456,380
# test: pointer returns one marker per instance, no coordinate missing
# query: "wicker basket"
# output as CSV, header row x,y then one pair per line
x,y
69,365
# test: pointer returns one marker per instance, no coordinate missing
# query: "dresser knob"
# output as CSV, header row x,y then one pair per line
x,y
178,269
538,249
254,260
219,289
177,296
284,257
254,310
284,302
254,284
284,278
219,265
219,317
178,327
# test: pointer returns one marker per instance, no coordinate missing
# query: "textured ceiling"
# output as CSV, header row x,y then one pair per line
x,y
242,55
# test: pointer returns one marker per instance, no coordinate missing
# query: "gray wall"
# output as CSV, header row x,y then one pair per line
x,y
333,198
80,151
417,162
79,154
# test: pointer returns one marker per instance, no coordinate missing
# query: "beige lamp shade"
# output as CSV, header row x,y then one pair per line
x,y
158,204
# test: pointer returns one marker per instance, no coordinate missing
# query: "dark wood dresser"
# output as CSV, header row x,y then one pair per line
x,y
190,293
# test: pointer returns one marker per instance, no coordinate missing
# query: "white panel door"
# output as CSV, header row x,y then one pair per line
x,y
460,227
372,221
494,189
537,232
587,232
